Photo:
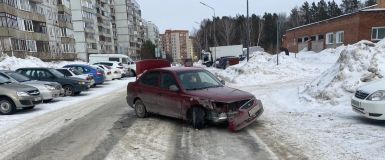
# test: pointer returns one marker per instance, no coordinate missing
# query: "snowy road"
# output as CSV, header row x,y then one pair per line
x,y
106,128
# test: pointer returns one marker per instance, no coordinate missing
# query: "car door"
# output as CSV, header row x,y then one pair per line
x,y
147,90
45,75
169,102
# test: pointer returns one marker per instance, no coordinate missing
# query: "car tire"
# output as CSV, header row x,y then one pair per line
x,y
68,90
47,100
131,73
77,93
197,117
6,106
140,109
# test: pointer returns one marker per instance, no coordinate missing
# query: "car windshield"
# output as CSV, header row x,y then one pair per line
x,y
76,72
197,80
4,80
56,73
18,77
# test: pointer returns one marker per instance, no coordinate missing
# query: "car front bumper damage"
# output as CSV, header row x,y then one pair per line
x,y
245,116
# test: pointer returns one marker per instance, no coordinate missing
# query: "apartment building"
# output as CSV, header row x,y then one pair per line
x,y
92,23
151,32
175,44
129,27
32,28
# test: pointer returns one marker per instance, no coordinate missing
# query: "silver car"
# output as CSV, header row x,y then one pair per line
x,y
14,96
48,90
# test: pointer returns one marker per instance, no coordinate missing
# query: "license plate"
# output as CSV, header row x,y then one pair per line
x,y
37,99
355,103
253,111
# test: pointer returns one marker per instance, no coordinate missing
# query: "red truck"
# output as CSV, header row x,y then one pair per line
x,y
191,94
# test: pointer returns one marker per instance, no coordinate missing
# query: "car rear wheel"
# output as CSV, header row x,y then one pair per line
x,y
6,106
131,73
68,90
140,109
197,117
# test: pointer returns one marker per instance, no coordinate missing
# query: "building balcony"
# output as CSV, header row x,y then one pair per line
x,y
63,8
37,1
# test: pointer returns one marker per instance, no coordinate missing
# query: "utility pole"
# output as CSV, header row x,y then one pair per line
x,y
248,32
215,38
277,41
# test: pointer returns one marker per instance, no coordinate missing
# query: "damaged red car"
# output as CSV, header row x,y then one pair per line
x,y
191,94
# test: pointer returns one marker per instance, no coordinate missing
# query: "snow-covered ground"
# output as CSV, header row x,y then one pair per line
x,y
13,63
10,121
307,99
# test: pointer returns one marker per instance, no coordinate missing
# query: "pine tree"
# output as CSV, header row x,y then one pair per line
x,y
295,19
322,12
370,2
333,9
305,12
349,6
313,13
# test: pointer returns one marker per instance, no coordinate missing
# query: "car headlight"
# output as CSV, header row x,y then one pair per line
x,y
377,96
22,94
82,82
50,87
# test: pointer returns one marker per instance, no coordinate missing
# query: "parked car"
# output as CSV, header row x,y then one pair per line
x,y
116,68
74,73
192,94
369,100
107,72
126,72
48,90
98,74
225,62
71,85
15,96
127,63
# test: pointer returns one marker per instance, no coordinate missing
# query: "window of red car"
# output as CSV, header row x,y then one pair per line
x,y
167,80
150,79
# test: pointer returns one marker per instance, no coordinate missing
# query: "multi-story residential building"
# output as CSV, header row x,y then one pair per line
x,y
128,23
175,43
25,27
92,27
151,32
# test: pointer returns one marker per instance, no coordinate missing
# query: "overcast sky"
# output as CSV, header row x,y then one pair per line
x,y
183,14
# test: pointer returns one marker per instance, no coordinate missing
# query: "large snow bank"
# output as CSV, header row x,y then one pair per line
x,y
262,68
13,63
358,63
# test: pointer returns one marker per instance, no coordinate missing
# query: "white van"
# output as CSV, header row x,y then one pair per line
x,y
127,62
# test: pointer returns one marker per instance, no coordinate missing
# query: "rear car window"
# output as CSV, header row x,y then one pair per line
x,y
150,79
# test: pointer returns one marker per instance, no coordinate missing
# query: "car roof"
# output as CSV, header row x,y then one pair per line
x,y
178,69
84,65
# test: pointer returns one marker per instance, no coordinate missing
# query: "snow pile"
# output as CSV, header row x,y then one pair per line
x,y
262,68
358,63
13,63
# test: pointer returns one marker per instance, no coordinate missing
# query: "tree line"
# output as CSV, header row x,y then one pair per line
x,y
233,30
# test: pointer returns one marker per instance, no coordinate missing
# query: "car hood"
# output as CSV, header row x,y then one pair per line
x,y
221,94
373,86
18,87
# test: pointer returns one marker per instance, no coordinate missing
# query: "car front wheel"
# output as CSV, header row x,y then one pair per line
x,y
197,117
140,109
68,90
6,106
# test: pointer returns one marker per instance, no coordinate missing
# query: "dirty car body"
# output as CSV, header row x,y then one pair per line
x,y
169,91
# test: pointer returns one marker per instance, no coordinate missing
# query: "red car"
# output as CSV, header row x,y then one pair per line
x,y
191,94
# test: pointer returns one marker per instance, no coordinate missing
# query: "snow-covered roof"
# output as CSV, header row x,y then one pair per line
x,y
365,9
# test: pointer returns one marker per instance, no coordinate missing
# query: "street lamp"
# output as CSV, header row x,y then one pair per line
x,y
215,39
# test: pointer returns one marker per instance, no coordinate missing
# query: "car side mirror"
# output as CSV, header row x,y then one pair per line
x,y
173,88
223,82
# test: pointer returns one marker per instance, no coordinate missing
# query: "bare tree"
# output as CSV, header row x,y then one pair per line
x,y
260,31
227,29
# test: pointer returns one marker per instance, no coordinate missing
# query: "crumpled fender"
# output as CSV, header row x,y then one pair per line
x,y
243,119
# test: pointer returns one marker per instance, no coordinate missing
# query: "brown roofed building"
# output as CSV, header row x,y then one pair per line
x,y
365,24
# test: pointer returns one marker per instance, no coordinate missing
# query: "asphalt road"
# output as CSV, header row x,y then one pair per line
x,y
112,131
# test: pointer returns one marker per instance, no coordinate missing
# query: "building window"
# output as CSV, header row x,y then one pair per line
x,y
330,38
378,33
313,38
320,37
340,37
31,46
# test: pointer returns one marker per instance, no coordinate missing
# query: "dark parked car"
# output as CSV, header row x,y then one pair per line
x,y
97,73
225,62
71,85
192,94
15,96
